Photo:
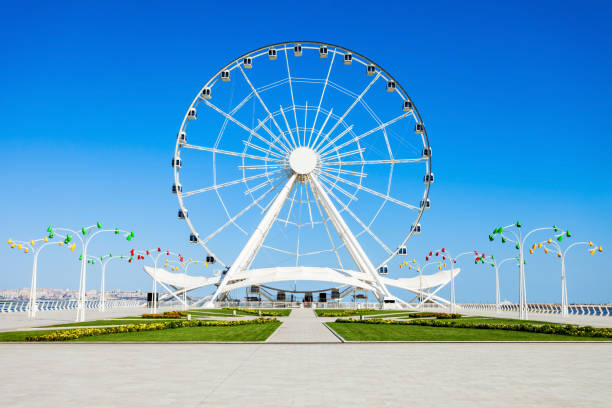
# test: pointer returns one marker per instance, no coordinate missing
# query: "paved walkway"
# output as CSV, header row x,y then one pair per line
x,y
303,326
306,375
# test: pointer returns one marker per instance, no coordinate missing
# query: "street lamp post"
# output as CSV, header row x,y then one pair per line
x,y
562,254
497,266
85,240
104,260
519,240
31,247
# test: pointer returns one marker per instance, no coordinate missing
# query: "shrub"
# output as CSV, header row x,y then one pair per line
x,y
175,314
565,330
341,313
74,334
437,315
257,312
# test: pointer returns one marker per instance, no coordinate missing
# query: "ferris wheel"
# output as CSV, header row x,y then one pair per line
x,y
302,157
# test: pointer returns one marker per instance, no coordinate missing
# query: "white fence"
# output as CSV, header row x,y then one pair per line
x,y
543,308
10,306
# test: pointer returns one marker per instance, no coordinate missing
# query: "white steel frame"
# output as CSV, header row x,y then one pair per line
x,y
270,144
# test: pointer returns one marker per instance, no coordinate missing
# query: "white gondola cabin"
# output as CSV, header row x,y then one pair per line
x,y
272,54
210,259
182,138
297,50
390,86
182,214
402,251
428,178
193,238
425,204
419,128
225,75
426,152
247,62
348,58
323,51
407,107
416,229
176,188
176,162
192,114
206,94
371,70
383,270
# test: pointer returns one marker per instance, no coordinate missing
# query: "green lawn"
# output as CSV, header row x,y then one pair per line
x,y
380,332
250,332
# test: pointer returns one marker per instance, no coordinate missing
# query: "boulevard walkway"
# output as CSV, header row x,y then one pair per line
x,y
303,326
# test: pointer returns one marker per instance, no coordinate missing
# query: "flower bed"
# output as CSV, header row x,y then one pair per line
x,y
74,334
256,312
566,330
436,315
341,313
175,314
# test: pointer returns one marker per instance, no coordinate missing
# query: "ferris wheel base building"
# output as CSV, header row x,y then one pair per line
x,y
343,130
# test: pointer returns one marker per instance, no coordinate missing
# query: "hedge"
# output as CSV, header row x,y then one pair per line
x,y
566,330
256,312
340,313
166,315
74,334
436,315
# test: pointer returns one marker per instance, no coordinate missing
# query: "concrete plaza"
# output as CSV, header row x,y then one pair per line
x,y
307,375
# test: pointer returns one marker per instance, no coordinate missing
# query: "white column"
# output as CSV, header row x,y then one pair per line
x,y
250,250
357,253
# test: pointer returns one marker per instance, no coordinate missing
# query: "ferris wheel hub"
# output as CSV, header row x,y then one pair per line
x,y
303,160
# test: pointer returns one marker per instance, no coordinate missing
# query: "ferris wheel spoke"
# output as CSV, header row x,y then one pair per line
x,y
343,171
260,166
373,192
366,162
286,146
361,223
299,227
227,184
349,153
309,208
331,142
230,153
321,99
282,111
240,214
369,132
241,125
291,206
329,235
261,149
257,187
322,127
292,97
355,102
259,98
337,187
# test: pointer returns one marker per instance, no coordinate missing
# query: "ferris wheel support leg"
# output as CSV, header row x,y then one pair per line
x,y
252,247
357,253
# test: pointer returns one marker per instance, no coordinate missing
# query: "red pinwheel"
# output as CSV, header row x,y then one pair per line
x,y
167,252
427,258
443,250
148,253
443,258
430,253
158,249
454,261
476,252
132,252
437,253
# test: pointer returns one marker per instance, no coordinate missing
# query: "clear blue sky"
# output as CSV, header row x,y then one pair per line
x,y
515,97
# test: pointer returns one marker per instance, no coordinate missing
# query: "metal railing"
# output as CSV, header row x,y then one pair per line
x,y
10,306
592,310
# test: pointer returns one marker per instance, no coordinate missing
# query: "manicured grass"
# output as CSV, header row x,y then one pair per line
x,y
380,332
21,335
476,319
252,332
